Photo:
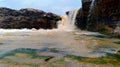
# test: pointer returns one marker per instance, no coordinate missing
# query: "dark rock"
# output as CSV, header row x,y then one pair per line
x,y
67,13
27,18
81,20
105,13
118,52
103,16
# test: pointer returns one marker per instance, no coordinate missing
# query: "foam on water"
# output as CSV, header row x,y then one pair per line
x,y
87,33
14,30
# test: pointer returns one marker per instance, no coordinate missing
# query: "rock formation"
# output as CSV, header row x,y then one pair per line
x,y
27,18
100,15
83,14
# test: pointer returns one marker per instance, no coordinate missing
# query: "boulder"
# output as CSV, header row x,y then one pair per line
x,y
27,18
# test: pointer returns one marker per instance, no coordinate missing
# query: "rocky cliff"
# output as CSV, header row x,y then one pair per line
x,y
100,15
27,18
83,14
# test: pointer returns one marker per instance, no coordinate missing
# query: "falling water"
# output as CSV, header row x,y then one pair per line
x,y
90,12
69,20
72,16
91,7
92,4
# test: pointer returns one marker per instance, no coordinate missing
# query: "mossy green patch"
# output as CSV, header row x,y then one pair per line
x,y
54,50
16,64
117,42
113,59
104,31
31,53
33,65
74,57
100,36
58,63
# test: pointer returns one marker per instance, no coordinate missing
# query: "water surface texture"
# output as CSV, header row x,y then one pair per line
x,y
56,43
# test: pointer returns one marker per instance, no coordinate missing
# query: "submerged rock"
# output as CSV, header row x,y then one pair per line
x,y
27,18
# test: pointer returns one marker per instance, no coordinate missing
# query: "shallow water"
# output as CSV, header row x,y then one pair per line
x,y
70,42
64,42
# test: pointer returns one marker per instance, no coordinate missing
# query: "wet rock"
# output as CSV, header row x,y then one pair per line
x,y
104,15
27,18
118,52
82,16
101,15
67,13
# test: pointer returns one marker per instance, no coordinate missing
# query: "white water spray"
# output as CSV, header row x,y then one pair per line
x,y
90,12
91,7
68,21
92,4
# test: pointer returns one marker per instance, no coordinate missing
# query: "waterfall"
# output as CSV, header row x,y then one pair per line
x,y
91,7
92,4
68,21
90,12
